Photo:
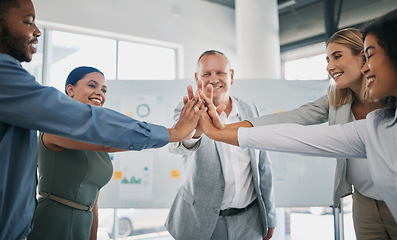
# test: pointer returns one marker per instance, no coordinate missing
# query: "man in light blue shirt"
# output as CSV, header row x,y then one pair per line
x,y
26,106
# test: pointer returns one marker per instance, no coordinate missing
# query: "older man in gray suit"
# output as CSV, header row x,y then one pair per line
x,y
227,192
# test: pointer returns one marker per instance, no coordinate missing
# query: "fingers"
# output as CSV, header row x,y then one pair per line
x,y
269,235
185,100
199,85
220,108
190,93
206,99
195,105
188,106
206,123
208,103
199,108
200,111
213,114
209,91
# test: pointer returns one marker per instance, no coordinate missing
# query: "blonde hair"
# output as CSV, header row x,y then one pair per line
x,y
351,38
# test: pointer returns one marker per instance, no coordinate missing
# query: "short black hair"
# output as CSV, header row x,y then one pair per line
x,y
5,6
385,30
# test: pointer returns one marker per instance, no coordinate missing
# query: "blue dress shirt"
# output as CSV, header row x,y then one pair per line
x,y
27,106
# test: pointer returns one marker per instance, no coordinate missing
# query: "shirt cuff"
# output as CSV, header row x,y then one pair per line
x,y
159,137
242,134
189,143
254,121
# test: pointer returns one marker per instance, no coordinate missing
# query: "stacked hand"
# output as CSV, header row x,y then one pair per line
x,y
210,122
188,119
211,117
213,126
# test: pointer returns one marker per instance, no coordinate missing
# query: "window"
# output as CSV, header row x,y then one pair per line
x,y
145,62
116,59
308,68
67,51
305,63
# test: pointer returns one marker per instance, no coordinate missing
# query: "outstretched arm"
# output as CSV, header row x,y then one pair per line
x,y
316,140
344,141
57,143
187,122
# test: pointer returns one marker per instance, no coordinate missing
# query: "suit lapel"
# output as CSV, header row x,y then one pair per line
x,y
342,114
219,149
242,114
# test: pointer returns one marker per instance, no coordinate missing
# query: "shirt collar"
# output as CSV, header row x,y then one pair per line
x,y
233,112
391,121
394,119
10,58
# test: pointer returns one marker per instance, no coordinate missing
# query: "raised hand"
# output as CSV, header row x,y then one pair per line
x,y
191,94
213,111
207,126
188,120
198,131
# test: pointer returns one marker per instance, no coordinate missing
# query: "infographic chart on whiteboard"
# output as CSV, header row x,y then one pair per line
x,y
134,173
148,108
134,170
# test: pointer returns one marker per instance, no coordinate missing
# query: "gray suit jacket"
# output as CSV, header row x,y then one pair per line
x,y
311,113
195,210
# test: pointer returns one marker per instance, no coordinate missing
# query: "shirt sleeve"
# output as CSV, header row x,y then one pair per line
x,y
315,112
27,104
316,140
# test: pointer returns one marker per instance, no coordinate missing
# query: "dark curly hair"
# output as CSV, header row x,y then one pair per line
x,y
385,30
5,5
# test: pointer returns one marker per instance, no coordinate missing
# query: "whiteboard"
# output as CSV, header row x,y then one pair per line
x,y
150,178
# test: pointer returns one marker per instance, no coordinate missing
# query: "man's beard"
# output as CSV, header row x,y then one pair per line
x,y
13,46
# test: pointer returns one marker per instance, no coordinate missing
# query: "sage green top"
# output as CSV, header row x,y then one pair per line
x,y
75,175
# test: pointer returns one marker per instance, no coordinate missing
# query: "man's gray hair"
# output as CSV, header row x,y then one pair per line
x,y
213,52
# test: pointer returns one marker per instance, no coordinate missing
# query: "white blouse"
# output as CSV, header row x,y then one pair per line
x,y
374,138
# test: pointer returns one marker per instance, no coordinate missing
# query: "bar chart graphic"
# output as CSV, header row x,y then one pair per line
x,y
136,180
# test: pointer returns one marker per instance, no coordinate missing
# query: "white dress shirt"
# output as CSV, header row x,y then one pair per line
x,y
236,168
358,172
374,138
239,188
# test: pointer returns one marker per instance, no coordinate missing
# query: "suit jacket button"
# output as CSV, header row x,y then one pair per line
x,y
131,147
